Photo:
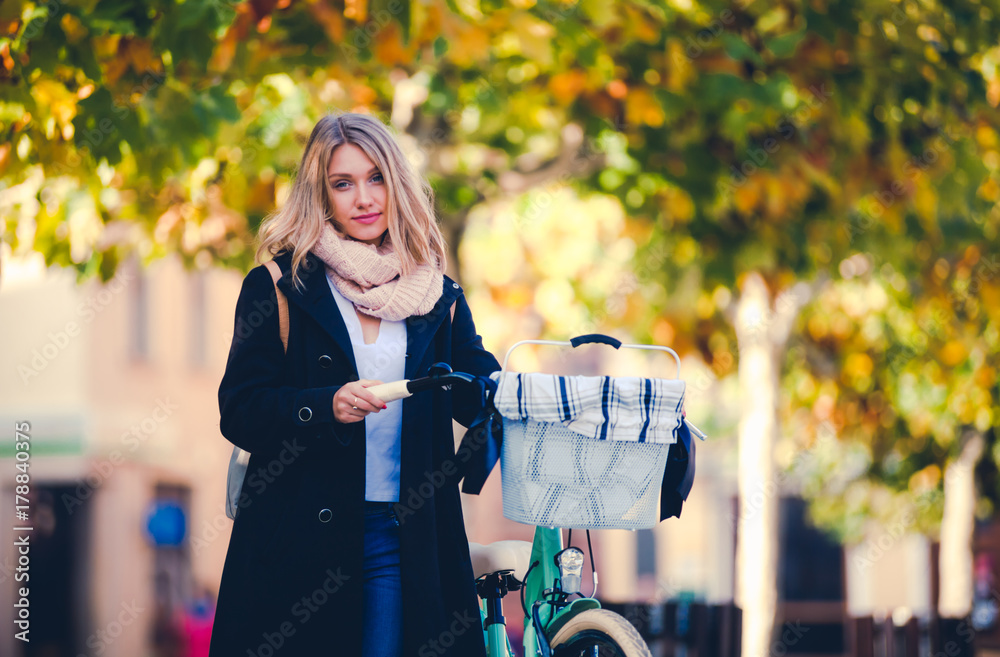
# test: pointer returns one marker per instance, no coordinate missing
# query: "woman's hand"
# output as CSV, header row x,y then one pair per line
x,y
353,402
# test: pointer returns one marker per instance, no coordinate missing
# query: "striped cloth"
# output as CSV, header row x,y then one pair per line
x,y
601,407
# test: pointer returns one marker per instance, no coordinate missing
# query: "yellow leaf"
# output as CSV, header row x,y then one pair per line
x,y
680,70
105,46
224,53
535,38
641,27
986,136
745,198
818,327
989,190
467,43
993,92
567,86
356,10
72,27
858,365
389,46
775,197
60,102
926,479
641,107
953,353
925,205
113,70
677,205
363,95
990,294
142,57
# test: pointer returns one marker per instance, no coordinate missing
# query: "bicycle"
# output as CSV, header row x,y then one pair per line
x,y
544,572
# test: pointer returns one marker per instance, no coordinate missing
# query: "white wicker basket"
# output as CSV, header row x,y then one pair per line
x,y
555,477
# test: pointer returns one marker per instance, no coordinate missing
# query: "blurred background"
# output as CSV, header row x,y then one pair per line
x,y
800,197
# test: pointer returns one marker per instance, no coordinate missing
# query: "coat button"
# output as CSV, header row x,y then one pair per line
x,y
325,361
326,515
305,413
455,285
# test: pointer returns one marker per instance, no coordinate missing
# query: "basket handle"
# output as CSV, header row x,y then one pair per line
x,y
595,338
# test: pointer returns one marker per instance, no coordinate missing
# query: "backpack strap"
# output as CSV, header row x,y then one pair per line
x,y
275,270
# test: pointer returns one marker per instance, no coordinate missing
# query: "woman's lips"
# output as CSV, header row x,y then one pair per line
x,y
368,218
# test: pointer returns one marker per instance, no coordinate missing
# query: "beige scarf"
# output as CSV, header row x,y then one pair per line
x,y
371,277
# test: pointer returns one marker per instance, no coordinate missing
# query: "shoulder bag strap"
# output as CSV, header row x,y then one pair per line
x,y
240,459
275,270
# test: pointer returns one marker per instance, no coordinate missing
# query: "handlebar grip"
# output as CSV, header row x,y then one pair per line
x,y
595,338
391,391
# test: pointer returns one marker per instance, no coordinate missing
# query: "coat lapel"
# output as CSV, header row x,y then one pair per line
x,y
420,330
316,299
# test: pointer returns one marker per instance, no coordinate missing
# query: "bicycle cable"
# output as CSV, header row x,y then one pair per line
x,y
593,570
524,585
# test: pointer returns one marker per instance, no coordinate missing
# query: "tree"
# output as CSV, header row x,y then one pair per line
x,y
903,368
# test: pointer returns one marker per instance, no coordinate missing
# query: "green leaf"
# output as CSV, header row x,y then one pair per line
x,y
785,45
440,46
739,49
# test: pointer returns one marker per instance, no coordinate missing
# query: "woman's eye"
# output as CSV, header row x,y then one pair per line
x,y
377,177
341,185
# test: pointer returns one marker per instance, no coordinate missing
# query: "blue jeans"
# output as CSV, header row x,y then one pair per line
x,y
383,606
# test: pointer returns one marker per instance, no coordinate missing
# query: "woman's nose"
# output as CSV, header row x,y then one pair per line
x,y
364,197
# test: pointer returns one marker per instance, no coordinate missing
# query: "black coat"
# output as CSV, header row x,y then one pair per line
x,y
290,579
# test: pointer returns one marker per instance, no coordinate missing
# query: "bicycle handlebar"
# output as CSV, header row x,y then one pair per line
x,y
441,376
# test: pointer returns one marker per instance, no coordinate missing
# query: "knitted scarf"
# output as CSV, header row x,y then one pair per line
x,y
371,277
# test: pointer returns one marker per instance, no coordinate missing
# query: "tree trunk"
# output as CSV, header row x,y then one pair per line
x,y
762,330
957,524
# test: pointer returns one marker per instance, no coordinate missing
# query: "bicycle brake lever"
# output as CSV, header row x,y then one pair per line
x,y
439,369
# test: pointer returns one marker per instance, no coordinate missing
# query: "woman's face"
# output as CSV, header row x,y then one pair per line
x,y
359,194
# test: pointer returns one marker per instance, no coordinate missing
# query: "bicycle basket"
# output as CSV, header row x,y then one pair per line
x,y
585,452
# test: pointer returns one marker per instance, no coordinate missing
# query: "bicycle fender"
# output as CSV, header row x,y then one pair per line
x,y
569,611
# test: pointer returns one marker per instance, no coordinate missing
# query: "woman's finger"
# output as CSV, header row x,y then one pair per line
x,y
348,407
371,403
350,414
353,402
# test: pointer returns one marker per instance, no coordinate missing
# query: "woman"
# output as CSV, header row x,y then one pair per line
x,y
349,538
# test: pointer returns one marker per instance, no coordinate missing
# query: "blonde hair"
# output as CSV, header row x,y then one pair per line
x,y
297,225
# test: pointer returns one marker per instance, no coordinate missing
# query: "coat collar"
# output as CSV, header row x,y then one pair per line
x,y
316,300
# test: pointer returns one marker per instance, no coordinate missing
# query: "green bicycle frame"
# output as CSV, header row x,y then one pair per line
x,y
547,543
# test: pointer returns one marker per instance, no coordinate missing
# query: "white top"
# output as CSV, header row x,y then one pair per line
x,y
383,360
